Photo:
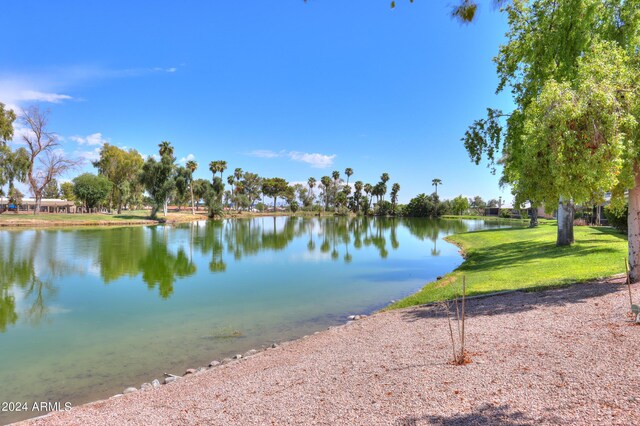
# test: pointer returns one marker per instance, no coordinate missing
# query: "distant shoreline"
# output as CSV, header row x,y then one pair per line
x,y
45,220
140,217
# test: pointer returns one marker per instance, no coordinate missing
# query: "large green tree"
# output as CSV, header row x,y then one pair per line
x,y
7,117
92,190
66,190
121,168
157,178
51,190
14,165
274,187
459,205
546,57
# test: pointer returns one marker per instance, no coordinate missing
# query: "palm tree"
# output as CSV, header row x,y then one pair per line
x,y
231,180
237,173
358,186
213,166
218,166
222,167
384,177
326,182
379,190
394,195
336,178
435,182
348,171
165,148
191,166
367,190
312,183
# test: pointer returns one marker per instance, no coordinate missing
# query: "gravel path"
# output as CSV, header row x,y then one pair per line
x,y
568,356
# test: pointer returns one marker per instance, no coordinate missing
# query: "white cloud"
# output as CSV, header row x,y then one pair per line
x,y
265,153
319,161
156,157
37,96
158,69
17,90
92,155
15,93
20,131
94,139
189,157
316,160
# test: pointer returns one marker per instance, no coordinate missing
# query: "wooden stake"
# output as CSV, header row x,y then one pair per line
x,y
626,265
464,289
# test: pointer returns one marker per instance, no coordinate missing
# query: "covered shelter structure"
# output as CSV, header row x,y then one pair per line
x,y
47,205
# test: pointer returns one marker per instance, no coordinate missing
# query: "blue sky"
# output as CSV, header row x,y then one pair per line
x,y
280,88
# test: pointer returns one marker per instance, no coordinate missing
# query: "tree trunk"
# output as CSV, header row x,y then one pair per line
x,y
38,196
119,208
193,206
534,217
154,211
633,222
565,223
165,207
274,203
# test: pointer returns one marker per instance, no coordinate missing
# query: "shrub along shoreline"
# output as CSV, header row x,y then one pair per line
x,y
525,259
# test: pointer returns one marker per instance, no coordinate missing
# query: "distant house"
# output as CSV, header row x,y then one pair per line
x,y
595,216
516,213
47,205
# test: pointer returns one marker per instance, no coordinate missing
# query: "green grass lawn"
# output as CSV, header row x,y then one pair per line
x,y
61,218
129,215
526,258
476,217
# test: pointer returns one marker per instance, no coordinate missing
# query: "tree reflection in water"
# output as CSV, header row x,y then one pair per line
x,y
160,255
18,266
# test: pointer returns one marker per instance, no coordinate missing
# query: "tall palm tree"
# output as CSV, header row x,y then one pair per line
x,y
379,190
326,182
222,167
394,195
213,166
312,183
336,177
435,182
367,190
358,186
237,173
191,166
165,148
231,180
348,171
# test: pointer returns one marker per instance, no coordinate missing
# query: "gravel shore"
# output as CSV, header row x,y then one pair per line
x,y
566,356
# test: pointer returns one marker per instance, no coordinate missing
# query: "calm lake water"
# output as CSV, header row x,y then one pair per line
x,y
85,313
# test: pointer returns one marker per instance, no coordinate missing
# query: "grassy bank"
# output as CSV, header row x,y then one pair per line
x,y
476,217
524,258
95,219
137,217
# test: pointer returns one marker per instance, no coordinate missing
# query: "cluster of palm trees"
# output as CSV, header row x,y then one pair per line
x,y
336,194
330,193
